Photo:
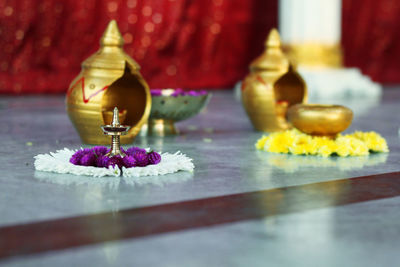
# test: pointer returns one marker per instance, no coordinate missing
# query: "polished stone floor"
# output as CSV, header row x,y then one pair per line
x,y
356,225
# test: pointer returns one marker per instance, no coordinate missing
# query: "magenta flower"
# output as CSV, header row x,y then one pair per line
x,y
179,92
129,161
135,157
89,159
141,158
192,93
100,150
102,161
87,150
155,92
76,157
134,149
153,158
115,161
202,92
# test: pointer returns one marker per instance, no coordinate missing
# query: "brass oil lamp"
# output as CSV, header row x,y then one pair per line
x,y
271,87
109,78
115,130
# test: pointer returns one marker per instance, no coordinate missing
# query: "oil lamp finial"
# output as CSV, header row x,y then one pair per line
x,y
115,121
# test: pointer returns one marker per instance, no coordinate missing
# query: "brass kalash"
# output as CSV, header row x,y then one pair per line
x,y
272,87
109,78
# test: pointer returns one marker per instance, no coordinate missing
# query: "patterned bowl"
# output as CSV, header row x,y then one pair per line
x,y
172,105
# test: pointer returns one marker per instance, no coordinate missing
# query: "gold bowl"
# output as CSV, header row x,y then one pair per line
x,y
320,120
169,107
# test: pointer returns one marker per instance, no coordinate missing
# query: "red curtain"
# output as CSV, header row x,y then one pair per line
x,y
371,37
178,43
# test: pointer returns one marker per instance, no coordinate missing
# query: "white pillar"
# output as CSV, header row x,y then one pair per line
x,y
310,21
311,33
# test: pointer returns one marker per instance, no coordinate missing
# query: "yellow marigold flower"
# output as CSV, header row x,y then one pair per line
x,y
279,142
295,142
373,140
312,146
298,149
351,146
326,150
342,146
301,144
358,147
261,142
324,146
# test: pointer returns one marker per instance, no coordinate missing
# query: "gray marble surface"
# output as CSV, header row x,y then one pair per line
x,y
221,142
357,235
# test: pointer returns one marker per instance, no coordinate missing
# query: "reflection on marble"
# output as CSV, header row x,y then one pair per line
x,y
292,163
357,235
110,182
160,180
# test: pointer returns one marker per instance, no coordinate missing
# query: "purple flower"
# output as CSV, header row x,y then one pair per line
x,y
89,159
134,149
95,156
141,158
155,92
153,157
115,160
192,93
197,93
102,161
178,92
100,150
87,150
129,161
76,157
75,160
202,92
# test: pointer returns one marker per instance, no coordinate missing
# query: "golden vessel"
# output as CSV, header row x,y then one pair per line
x,y
272,87
321,120
109,78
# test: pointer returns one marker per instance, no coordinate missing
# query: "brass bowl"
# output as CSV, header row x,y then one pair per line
x,y
320,120
166,109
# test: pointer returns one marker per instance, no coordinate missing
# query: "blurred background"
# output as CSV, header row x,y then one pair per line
x,y
193,44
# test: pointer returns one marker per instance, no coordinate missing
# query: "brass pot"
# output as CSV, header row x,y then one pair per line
x,y
320,120
109,78
271,88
